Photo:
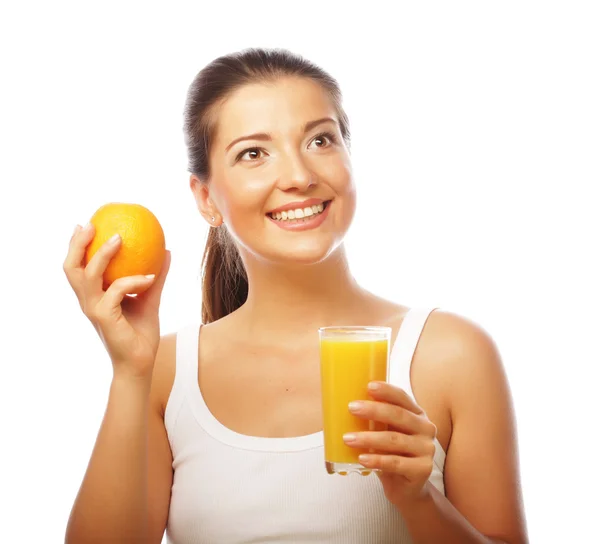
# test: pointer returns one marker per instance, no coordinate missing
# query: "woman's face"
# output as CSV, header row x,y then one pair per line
x,y
281,176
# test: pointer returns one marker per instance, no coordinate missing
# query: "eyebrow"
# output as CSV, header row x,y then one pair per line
x,y
263,136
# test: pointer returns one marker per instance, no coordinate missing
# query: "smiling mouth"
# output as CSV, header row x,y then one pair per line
x,y
300,214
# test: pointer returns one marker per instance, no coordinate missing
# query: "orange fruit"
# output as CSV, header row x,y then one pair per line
x,y
142,249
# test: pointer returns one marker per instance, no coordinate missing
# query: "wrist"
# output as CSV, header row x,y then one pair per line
x,y
416,503
125,380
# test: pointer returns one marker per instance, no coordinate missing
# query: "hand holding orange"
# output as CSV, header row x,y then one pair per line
x,y
142,249
103,270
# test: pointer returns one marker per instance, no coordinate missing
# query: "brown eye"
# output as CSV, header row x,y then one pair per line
x,y
253,153
321,140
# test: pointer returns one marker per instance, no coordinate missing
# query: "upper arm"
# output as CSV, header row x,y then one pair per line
x,y
481,473
160,459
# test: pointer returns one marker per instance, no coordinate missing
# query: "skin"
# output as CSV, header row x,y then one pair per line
x,y
300,281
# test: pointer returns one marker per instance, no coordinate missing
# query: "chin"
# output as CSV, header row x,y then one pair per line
x,y
307,253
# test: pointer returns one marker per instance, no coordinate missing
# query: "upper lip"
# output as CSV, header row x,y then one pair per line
x,y
295,205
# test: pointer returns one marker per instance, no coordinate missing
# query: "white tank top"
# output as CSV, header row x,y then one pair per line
x,y
232,488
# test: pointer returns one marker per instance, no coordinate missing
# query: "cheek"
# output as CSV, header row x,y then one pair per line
x,y
348,210
346,190
242,196
339,174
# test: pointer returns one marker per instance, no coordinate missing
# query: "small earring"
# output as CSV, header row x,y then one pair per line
x,y
212,219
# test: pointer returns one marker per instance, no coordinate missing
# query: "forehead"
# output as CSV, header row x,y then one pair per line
x,y
283,105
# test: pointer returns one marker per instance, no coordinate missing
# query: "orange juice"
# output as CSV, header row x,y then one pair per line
x,y
349,361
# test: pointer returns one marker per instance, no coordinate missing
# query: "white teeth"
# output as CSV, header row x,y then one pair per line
x,y
299,213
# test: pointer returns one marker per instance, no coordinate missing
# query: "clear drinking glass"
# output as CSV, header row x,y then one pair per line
x,y
351,357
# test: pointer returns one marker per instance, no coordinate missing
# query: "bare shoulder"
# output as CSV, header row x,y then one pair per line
x,y
481,474
217,336
163,375
462,354
450,334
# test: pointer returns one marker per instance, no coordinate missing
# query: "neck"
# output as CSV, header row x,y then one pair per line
x,y
301,297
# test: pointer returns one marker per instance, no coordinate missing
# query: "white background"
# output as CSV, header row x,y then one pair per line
x,y
476,140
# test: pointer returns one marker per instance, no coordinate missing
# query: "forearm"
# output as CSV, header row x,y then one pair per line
x,y
112,502
433,519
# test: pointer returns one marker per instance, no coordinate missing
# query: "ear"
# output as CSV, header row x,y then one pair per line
x,y
205,205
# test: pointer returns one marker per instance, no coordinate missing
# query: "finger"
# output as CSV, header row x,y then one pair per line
x,y
109,305
73,264
152,296
412,468
387,392
391,442
400,419
77,229
79,241
94,271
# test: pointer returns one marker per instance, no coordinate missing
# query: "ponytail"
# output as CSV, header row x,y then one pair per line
x,y
224,280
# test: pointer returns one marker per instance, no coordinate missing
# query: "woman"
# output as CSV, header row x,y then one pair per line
x,y
214,433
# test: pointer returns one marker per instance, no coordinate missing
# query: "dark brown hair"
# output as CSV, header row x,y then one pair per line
x,y
224,280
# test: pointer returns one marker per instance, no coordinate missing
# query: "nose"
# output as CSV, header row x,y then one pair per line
x,y
295,174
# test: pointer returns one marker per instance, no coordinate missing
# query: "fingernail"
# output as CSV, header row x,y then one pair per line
x,y
87,226
114,239
374,386
363,458
150,276
77,229
349,437
355,406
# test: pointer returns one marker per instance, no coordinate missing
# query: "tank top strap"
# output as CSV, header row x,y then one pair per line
x,y
186,353
186,371
405,346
